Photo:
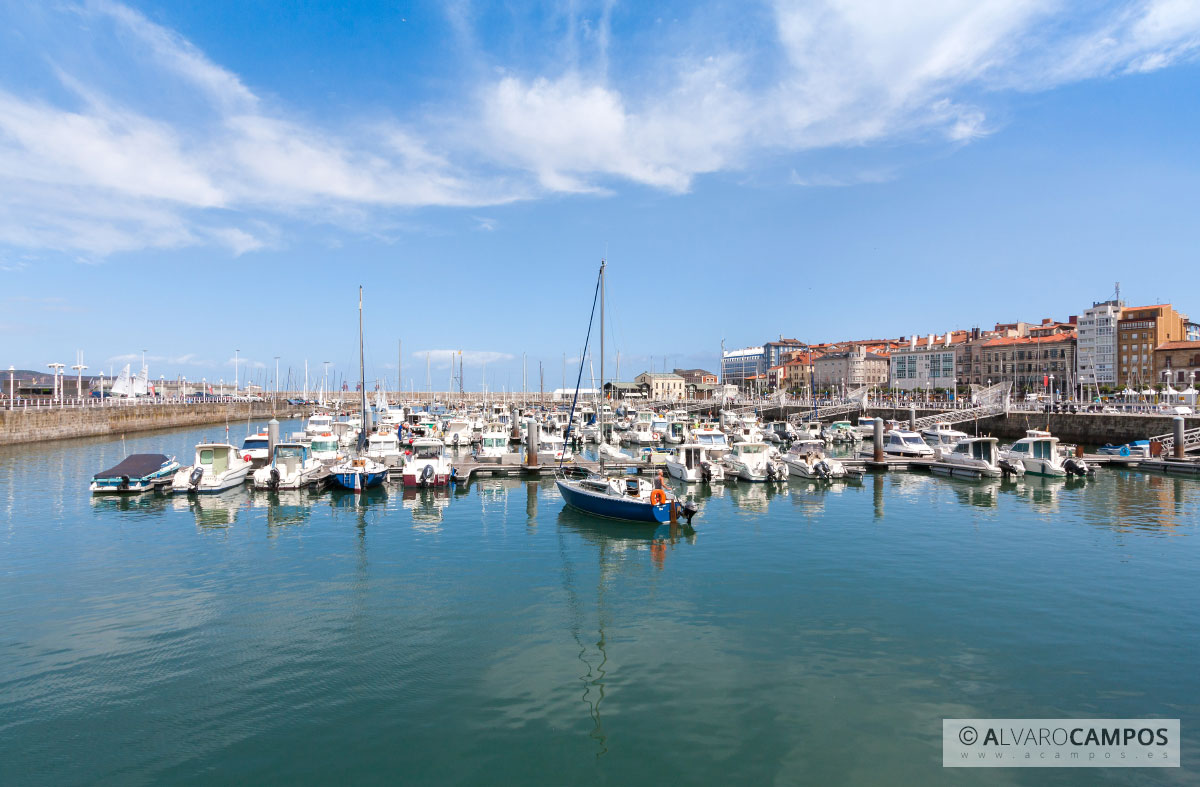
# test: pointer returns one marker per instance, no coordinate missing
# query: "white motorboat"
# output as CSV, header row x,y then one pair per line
x,y
676,431
1039,453
747,431
751,462
457,432
865,428
319,423
641,433
292,467
554,447
943,435
694,462
256,448
842,432
218,467
325,448
384,448
810,430
494,444
807,459
429,465
905,444
975,457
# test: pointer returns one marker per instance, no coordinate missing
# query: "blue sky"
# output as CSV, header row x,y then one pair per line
x,y
198,177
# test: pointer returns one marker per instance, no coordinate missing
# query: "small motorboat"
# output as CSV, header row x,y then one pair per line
x,y
1136,448
218,467
806,458
975,457
256,448
135,473
752,462
906,444
428,465
292,467
693,462
1039,452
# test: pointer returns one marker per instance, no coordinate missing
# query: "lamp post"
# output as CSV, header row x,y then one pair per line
x,y
276,379
55,368
235,371
1051,389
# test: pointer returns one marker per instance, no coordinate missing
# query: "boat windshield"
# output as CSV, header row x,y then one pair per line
x,y
289,451
1021,447
428,452
255,442
751,449
911,440
324,445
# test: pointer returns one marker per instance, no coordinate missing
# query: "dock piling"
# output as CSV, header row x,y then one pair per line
x,y
878,425
1180,453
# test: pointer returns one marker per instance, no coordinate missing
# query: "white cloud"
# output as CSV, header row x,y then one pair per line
x,y
442,358
105,168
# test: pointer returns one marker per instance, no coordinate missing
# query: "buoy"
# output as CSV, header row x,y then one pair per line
x,y
658,497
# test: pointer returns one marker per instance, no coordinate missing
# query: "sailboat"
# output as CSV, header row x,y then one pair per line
x,y
360,472
629,498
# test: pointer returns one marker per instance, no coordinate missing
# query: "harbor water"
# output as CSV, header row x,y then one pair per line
x,y
485,635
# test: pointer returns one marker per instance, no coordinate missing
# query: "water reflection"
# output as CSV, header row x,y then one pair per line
x,y
427,506
213,511
149,503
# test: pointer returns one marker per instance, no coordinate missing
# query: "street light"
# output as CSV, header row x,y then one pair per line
x,y
55,368
235,371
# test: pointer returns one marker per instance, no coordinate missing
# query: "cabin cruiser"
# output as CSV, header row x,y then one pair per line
x,y
325,447
457,432
806,458
493,445
750,462
909,445
256,448
747,431
641,433
554,447
292,467
319,423
865,428
384,447
810,430
218,467
713,439
676,431
428,465
975,457
694,462
941,434
841,432
1039,452
135,473
779,432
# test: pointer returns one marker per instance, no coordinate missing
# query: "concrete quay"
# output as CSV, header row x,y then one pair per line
x,y
34,425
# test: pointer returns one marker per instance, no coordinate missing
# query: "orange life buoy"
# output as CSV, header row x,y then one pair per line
x,y
658,497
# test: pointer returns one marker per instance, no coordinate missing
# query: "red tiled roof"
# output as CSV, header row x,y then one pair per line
x,y
1179,345
1038,340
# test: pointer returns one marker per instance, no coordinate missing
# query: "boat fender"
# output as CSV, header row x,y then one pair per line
x,y
658,497
1124,450
246,458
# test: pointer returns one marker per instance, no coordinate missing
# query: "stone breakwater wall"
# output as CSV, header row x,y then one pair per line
x,y
38,424
1085,428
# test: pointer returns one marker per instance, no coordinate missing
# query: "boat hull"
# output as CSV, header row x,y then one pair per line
x,y
438,479
611,507
354,481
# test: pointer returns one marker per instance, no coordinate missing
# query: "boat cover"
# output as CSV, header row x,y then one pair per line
x,y
135,466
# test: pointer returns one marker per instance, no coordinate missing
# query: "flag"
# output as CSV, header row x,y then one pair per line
x,y
1045,380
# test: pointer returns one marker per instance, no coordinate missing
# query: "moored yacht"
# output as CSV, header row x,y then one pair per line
x,y
1039,452
942,434
292,467
975,457
694,462
751,462
429,465
218,467
905,444
807,459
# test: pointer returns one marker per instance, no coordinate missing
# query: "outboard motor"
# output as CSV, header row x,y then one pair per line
x,y
124,482
771,470
705,472
427,475
689,509
273,483
194,478
822,469
1075,466
1012,468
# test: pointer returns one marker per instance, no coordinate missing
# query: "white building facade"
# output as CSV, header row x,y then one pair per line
x,y
1096,353
923,366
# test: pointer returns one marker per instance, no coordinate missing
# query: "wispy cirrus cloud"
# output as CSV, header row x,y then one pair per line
x,y
93,167
442,358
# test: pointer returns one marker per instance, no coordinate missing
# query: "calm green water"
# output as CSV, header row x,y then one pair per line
x,y
487,636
